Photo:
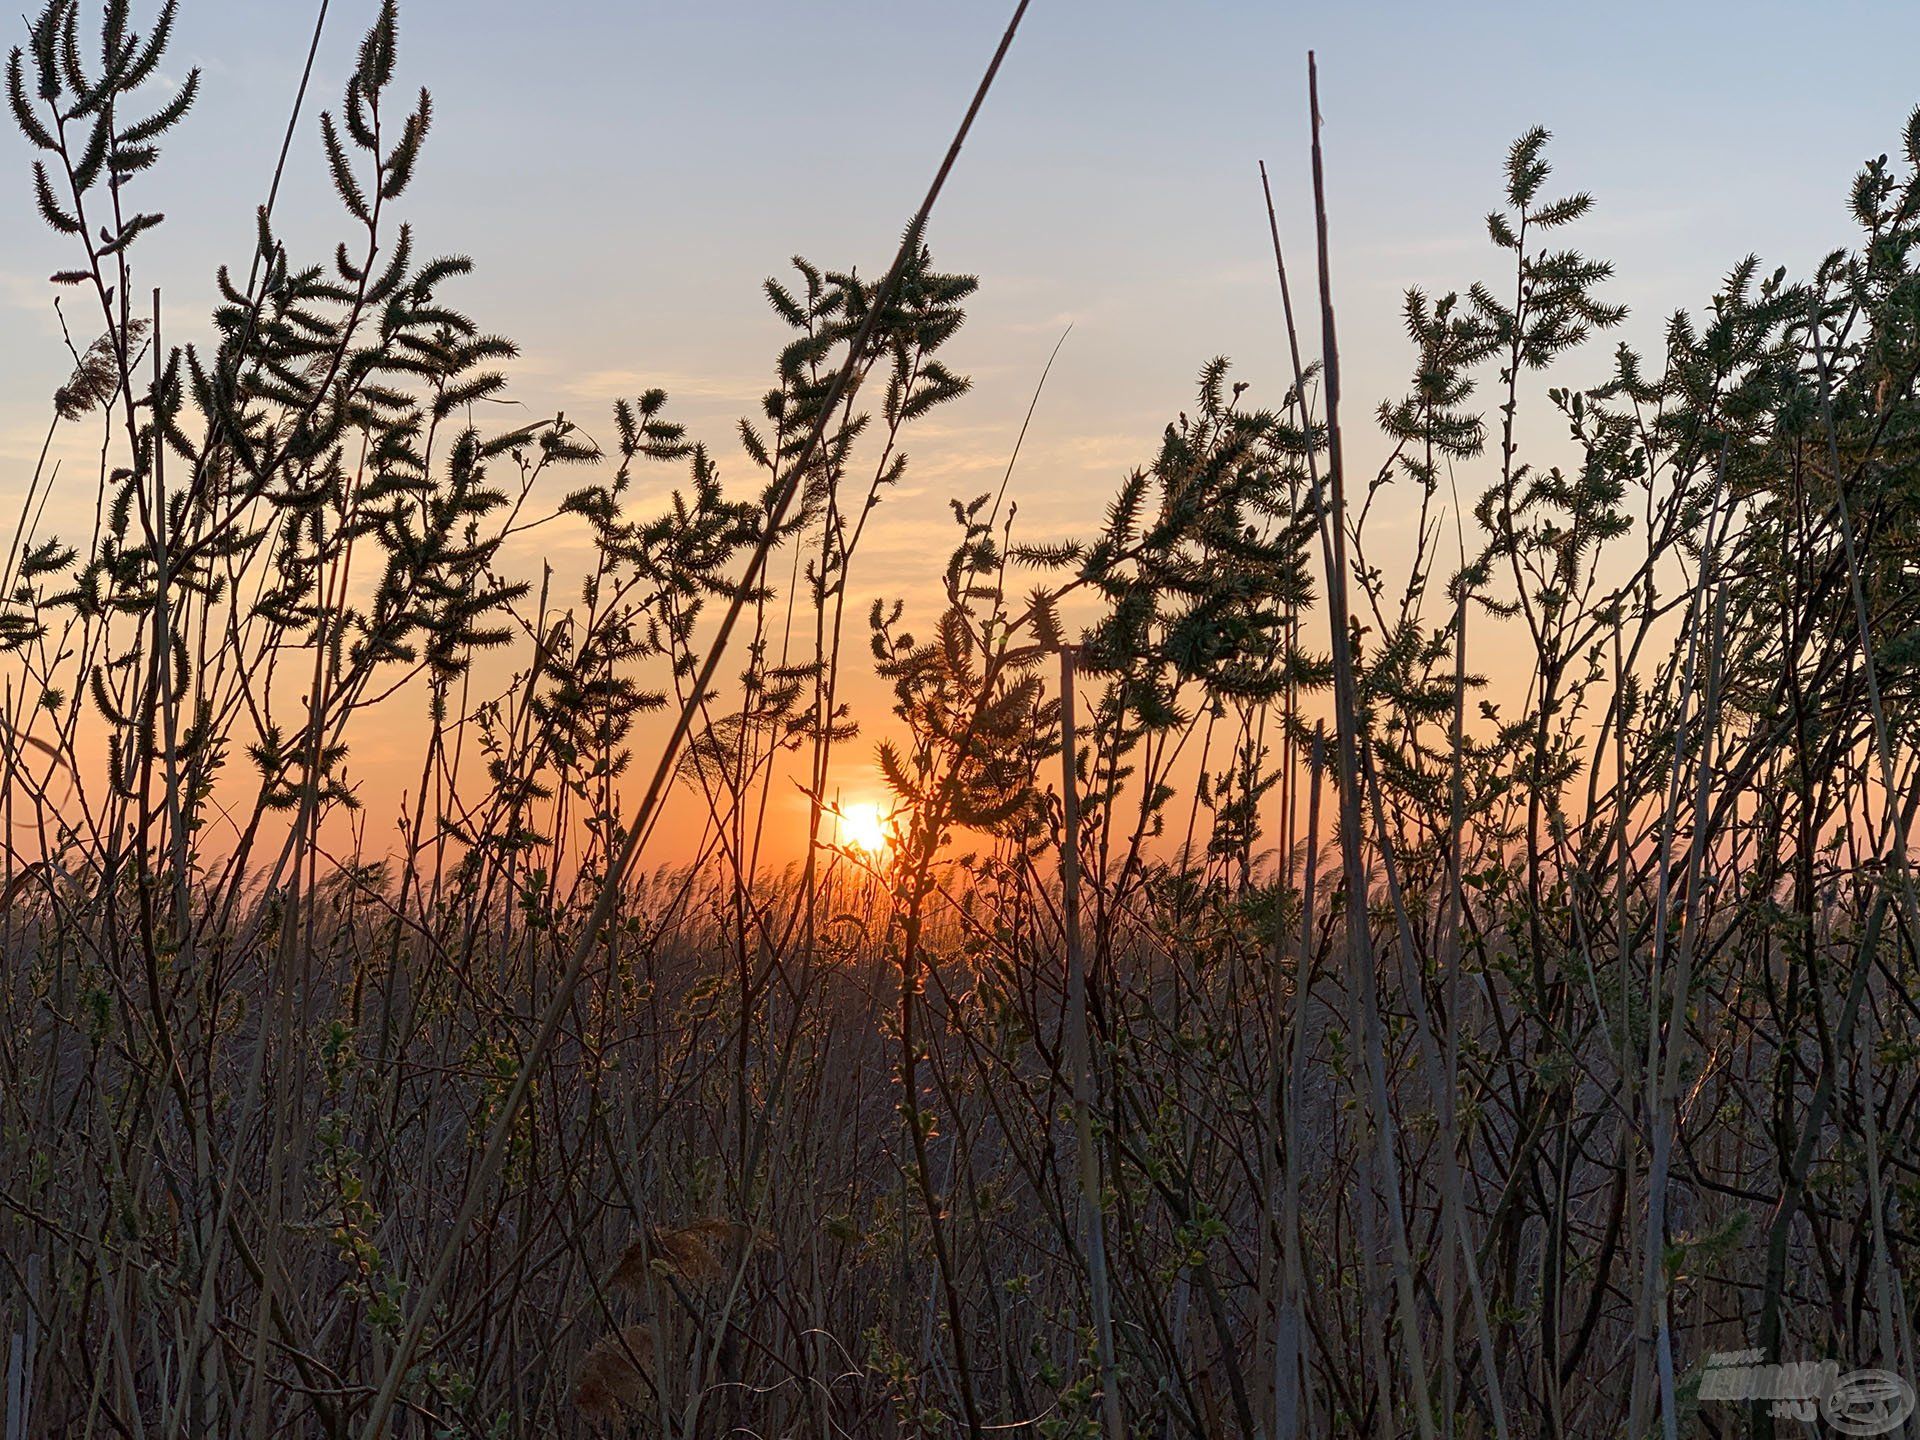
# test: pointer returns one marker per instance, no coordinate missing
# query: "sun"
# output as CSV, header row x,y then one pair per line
x,y
864,828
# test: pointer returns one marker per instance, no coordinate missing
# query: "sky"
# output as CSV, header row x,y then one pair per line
x,y
625,175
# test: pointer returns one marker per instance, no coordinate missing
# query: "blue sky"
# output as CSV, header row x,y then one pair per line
x,y
625,175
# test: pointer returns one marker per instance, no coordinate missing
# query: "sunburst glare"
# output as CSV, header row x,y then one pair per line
x,y
864,828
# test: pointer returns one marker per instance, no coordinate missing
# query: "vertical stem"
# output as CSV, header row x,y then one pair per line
x,y
1663,1070
1079,1060
1640,1393
1352,824
1288,1360
1450,1065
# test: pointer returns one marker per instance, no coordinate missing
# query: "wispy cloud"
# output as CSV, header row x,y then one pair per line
x,y
552,372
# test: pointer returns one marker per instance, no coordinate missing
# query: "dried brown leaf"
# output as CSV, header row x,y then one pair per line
x,y
614,1375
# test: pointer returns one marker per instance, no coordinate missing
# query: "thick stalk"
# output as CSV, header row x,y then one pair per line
x,y
1080,1060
